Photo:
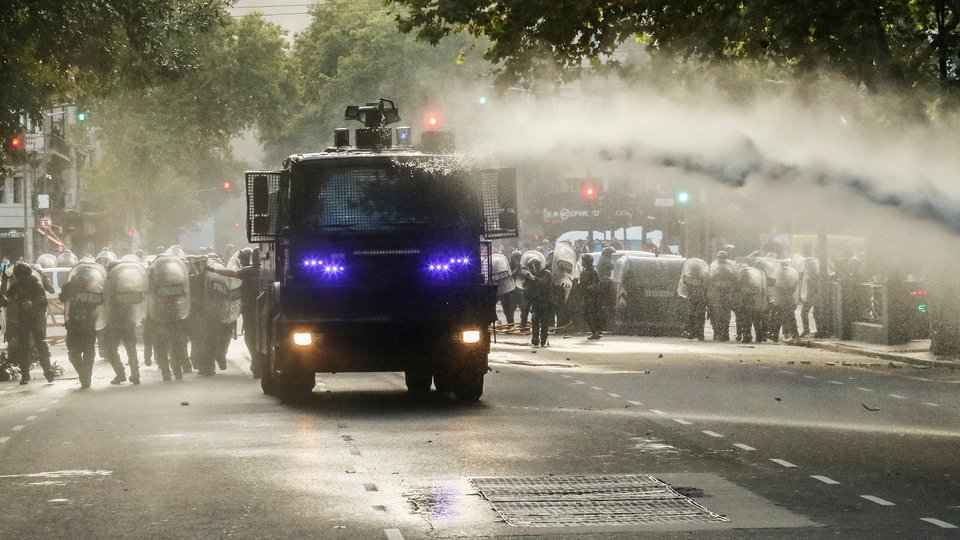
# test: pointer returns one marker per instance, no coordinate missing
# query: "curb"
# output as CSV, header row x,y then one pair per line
x,y
895,357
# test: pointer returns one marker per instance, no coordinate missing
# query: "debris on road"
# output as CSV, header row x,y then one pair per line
x,y
869,408
184,403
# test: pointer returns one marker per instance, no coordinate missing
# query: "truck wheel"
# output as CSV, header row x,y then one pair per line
x,y
294,387
267,382
418,382
442,383
469,388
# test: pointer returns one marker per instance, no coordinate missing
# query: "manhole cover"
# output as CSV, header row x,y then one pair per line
x,y
568,501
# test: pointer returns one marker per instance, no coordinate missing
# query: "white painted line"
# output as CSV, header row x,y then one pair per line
x,y
4,439
597,388
31,418
877,500
681,421
930,404
393,534
712,433
938,523
45,409
787,372
837,382
578,382
637,403
614,395
809,377
782,462
18,428
865,389
745,447
567,376
825,479
897,396
655,411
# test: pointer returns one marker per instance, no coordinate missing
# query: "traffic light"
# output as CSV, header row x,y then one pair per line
x,y
683,197
16,142
81,116
589,192
431,121
228,186
482,100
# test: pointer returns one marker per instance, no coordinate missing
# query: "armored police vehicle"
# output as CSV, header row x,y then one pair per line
x,y
377,257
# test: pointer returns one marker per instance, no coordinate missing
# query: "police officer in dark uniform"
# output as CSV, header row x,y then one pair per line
x,y
249,274
593,296
539,291
26,304
82,296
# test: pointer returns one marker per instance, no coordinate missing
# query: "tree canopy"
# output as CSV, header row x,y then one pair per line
x,y
899,42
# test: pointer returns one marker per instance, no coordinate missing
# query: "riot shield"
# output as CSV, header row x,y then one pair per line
x,y
502,275
525,259
770,268
84,294
47,261
565,268
752,288
130,257
722,281
809,281
105,257
66,259
175,251
168,291
221,293
694,273
788,287
126,293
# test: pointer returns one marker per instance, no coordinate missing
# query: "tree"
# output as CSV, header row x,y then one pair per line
x,y
56,50
353,53
168,146
902,42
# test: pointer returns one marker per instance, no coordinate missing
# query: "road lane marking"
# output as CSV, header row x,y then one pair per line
x,y
597,388
877,500
788,372
865,389
18,428
30,418
655,411
45,409
825,479
938,523
930,404
578,382
712,434
614,395
567,376
838,382
393,534
897,396
782,462
4,439
635,403
682,421
745,447
809,377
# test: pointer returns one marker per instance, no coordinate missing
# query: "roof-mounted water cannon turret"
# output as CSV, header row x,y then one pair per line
x,y
376,117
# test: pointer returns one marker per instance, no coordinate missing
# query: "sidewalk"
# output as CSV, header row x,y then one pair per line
x,y
915,352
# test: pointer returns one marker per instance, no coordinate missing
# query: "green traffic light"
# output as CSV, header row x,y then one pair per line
x,y
81,117
482,100
683,197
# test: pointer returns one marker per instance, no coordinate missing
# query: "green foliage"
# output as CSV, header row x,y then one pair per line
x,y
54,50
353,53
168,147
889,42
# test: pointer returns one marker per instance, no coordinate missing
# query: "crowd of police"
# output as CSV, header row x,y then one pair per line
x,y
560,285
187,304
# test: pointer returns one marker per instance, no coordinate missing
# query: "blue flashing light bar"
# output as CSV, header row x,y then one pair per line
x,y
329,267
445,264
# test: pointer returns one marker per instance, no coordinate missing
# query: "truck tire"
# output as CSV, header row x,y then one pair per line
x,y
468,388
267,382
418,382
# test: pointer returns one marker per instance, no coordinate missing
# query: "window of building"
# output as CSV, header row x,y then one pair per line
x,y
3,190
17,190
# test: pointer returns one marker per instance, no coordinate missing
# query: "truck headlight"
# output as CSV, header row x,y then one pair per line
x,y
302,338
471,336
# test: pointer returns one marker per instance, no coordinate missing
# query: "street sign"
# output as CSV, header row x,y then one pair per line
x,y
43,201
663,201
46,222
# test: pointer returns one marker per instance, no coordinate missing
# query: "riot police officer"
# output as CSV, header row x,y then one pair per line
x,y
82,296
168,305
694,278
125,296
721,295
593,297
26,304
539,291
249,274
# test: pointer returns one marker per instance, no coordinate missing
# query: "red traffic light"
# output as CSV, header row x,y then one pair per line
x,y
431,121
589,192
16,143
227,186
129,234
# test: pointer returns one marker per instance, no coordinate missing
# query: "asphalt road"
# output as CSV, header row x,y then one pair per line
x,y
769,441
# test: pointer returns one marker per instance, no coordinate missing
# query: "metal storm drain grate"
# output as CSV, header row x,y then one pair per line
x,y
567,501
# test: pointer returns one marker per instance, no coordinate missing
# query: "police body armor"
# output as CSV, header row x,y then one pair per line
x,y
83,303
693,276
565,268
530,255
810,281
221,293
105,257
752,288
787,289
126,293
67,259
168,292
47,261
502,275
723,281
